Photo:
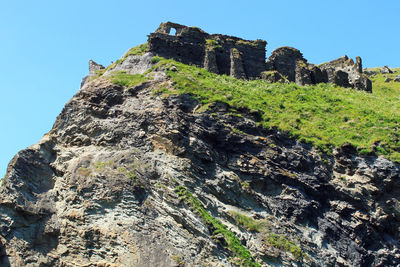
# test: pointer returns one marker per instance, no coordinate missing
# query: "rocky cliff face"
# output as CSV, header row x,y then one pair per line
x,y
127,177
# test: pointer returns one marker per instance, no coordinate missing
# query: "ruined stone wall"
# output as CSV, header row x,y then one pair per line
x,y
191,45
344,72
290,63
245,59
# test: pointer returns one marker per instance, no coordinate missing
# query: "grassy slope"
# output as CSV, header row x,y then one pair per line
x,y
324,115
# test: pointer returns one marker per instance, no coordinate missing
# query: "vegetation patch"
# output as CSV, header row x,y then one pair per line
x,y
247,43
100,165
324,115
233,243
155,59
137,50
281,242
178,259
130,172
213,44
128,80
272,239
249,223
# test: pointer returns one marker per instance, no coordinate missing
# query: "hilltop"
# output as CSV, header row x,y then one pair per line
x,y
203,153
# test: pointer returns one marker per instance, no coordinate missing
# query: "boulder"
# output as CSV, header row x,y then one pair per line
x,y
364,83
386,70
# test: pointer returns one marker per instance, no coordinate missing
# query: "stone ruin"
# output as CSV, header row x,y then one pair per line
x,y
245,59
217,53
288,63
93,69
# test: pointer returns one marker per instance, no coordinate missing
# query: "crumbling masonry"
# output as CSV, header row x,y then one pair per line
x,y
245,59
217,53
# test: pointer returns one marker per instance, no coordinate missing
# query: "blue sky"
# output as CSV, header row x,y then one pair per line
x,y
46,45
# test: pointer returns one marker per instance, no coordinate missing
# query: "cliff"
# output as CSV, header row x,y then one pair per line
x,y
138,171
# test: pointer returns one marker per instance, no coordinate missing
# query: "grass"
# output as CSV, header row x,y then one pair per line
x,y
323,115
100,165
155,59
213,44
272,239
178,259
249,223
233,243
247,43
281,242
130,172
128,80
137,50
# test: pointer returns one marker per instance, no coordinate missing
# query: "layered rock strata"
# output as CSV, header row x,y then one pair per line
x,y
100,189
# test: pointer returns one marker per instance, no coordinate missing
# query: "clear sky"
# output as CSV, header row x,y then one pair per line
x,y
46,45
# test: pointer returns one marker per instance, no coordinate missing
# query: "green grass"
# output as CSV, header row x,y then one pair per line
x,y
272,239
137,50
213,44
128,80
249,223
131,175
130,172
323,115
155,59
281,242
233,243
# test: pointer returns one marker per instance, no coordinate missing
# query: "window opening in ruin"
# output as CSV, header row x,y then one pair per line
x,y
172,31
